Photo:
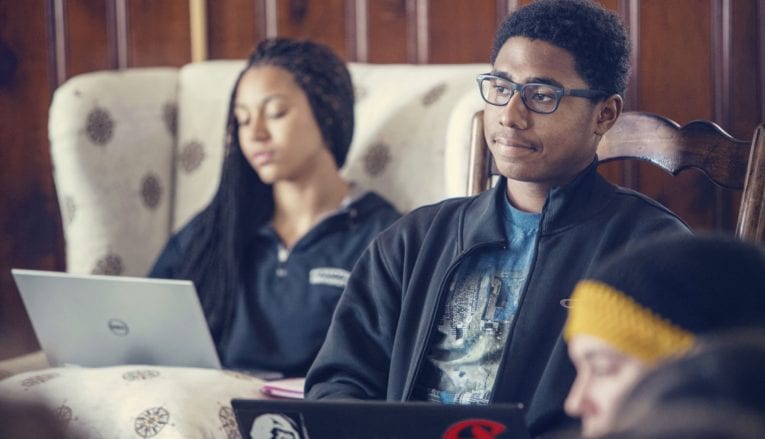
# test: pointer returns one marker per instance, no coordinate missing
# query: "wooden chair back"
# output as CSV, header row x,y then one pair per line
x,y
727,162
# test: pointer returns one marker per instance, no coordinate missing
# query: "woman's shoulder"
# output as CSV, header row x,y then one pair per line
x,y
373,204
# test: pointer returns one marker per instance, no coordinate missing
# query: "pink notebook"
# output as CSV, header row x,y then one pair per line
x,y
290,388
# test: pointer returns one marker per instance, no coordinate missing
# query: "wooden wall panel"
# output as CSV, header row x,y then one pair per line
x,y
675,79
324,21
30,231
387,32
452,38
613,171
234,27
745,94
158,33
88,44
676,69
745,70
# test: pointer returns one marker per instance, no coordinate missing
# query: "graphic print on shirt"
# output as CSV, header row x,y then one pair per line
x,y
477,315
482,302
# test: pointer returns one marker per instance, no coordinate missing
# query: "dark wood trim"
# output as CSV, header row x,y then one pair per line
x,y
111,32
121,29
357,31
721,25
629,10
411,31
61,37
270,18
721,60
503,9
423,32
761,52
56,41
419,31
259,19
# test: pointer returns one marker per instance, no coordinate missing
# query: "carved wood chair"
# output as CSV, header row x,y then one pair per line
x,y
728,162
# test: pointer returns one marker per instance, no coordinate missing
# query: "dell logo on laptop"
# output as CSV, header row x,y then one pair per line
x,y
118,327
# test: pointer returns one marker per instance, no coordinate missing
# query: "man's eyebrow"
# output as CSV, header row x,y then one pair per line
x,y
499,74
534,79
545,80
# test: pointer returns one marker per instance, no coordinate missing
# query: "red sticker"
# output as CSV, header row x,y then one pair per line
x,y
477,428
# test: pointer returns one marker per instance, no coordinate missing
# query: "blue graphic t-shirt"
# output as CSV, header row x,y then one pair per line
x,y
484,292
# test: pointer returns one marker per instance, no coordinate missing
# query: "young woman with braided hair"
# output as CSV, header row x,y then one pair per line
x,y
271,253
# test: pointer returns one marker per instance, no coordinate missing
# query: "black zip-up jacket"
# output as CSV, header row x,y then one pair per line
x,y
383,323
285,300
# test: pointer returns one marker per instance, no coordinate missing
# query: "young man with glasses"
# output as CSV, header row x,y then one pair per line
x,y
460,302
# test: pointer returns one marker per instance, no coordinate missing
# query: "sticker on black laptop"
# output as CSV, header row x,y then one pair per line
x,y
475,429
278,426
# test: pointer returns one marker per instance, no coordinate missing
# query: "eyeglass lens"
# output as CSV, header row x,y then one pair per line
x,y
537,97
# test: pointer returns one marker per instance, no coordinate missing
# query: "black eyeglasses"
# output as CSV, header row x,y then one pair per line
x,y
539,98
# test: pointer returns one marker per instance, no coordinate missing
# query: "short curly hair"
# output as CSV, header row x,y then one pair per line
x,y
595,36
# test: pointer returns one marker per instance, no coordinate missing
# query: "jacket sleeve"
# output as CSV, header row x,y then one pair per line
x,y
354,361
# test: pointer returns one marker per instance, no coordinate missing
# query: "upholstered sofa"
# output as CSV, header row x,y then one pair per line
x,y
137,153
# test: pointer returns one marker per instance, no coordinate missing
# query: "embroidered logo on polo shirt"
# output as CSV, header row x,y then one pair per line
x,y
336,277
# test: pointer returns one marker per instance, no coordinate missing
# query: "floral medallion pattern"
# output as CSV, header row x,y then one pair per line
x,y
140,375
228,423
64,414
432,96
376,159
151,191
38,379
99,126
151,421
110,264
191,156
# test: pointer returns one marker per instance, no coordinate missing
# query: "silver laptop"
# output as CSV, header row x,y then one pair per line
x,y
91,320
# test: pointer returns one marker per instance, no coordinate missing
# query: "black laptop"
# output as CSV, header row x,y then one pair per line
x,y
301,419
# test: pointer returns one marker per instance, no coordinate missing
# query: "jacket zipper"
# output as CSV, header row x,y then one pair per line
x,y
434,314
501,370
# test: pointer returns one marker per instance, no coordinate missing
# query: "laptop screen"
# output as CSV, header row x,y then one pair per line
x,y
300,419
92,320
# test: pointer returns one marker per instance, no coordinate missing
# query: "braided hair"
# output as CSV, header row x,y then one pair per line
x,y
243,203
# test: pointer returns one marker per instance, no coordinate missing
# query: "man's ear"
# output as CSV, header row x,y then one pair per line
x,y
608,111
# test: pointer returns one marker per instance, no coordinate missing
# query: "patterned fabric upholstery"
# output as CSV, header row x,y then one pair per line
x,y
135,401
137,152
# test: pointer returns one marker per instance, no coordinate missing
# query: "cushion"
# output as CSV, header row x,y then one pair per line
x,y
137,401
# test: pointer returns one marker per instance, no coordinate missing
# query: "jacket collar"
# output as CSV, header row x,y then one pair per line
x,y
567,205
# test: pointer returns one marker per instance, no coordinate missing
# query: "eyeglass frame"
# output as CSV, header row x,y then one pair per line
x,y
559,92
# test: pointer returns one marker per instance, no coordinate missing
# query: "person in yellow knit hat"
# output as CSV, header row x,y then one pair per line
x,y
650,303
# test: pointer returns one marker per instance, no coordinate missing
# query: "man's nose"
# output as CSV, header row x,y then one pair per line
x,y
515,114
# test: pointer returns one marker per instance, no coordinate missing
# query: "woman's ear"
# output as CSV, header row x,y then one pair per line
x,y
608,111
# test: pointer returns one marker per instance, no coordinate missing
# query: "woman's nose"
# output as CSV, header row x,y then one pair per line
x,y
575,399
258,129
